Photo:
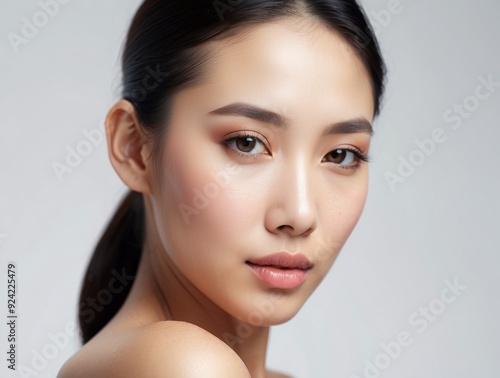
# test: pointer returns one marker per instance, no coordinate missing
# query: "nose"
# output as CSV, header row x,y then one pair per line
x,y
293,206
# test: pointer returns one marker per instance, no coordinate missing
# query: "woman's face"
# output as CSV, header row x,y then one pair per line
x,y
239,185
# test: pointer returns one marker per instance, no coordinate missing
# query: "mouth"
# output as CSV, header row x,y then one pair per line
x,y
283,260
281,270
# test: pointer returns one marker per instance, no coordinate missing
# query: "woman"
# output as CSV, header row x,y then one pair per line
x,y
243,134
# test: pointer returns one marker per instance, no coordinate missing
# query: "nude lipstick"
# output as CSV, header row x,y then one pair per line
x,y
281,270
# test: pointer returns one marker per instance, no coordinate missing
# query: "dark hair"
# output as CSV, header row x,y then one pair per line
x,y
165,52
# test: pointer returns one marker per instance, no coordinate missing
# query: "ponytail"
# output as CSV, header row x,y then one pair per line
x,y
113,266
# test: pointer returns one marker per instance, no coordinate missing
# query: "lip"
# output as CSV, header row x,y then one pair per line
x,y
281,270
283,260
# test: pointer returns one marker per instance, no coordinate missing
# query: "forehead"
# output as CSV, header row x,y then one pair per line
x,y
298,68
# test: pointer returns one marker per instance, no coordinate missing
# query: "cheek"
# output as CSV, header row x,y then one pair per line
x,y
349,200
351,208
339,217
206,204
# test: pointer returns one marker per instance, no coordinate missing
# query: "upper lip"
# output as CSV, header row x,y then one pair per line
x,y
283,260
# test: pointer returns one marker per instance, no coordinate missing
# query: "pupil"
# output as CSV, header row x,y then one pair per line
x,y
246,144
338,156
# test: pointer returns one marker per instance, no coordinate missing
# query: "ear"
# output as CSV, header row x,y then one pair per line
x,y
127,149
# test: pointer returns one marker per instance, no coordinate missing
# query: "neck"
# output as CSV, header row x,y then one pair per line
x,y
161,294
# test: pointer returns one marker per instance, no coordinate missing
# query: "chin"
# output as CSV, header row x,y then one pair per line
x,y
281,318
276,309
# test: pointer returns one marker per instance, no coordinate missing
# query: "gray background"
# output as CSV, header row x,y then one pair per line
x,y
440,224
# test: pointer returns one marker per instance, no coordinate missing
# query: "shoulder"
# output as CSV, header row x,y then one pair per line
x,y
184,349
179,349
163,349
275,374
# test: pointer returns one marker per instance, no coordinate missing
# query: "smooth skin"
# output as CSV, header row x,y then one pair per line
x,y
196,309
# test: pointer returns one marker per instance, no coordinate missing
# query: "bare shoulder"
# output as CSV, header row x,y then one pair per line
x,y
163,349
275,374
180,349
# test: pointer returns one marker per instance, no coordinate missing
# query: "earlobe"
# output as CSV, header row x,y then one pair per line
x,y
125,146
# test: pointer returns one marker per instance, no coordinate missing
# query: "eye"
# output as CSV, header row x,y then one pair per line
x,y
246,144
347,158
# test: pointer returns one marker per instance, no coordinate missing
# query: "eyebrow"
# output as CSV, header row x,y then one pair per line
x,y
356,125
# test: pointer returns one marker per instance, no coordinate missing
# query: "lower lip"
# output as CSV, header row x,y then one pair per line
x,y
279,278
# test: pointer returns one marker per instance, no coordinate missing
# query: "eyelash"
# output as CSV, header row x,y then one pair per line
x,y
357,153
